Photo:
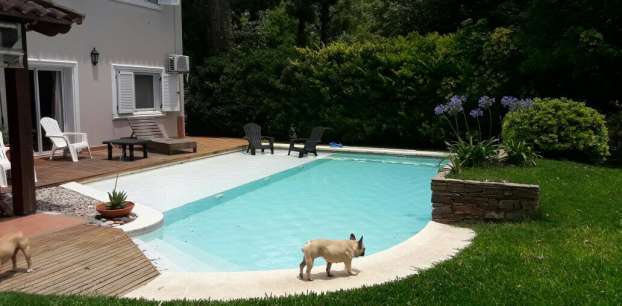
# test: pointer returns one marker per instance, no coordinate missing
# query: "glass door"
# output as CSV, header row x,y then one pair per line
x,y
47,101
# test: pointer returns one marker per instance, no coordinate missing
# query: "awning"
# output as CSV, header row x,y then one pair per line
x,y
41,16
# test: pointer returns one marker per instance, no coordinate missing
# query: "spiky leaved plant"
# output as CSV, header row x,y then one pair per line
x,y
116,198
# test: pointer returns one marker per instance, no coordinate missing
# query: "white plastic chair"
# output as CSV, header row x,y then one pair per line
x,y
60,140
5,164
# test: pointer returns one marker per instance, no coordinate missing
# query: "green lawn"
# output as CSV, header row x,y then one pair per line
x,y
570,254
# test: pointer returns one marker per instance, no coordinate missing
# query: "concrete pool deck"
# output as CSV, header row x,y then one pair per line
x,y
435,243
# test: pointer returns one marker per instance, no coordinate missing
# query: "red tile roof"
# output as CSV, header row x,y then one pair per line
x,y
41,15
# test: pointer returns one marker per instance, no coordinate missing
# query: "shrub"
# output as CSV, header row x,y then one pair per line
x,y
472,153
559,128
519,153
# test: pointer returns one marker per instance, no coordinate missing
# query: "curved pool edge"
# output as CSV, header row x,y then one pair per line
x,y
147,218
435,243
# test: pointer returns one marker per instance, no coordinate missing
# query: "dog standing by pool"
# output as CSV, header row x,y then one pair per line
x,y
333,251
10,245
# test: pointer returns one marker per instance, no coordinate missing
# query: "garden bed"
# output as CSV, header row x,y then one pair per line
x,y
456,200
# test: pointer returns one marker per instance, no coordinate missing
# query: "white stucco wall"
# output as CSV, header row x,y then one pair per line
x,y
123,34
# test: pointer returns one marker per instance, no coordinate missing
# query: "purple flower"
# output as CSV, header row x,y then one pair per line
x,y
509,101
486,102
514,104
525,103
454,105
440,109
476,113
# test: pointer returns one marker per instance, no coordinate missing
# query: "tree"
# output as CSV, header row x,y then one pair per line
x,y
325,18
304,12
218,26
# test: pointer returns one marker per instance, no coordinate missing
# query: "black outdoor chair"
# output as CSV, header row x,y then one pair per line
x,y
310,143
255,139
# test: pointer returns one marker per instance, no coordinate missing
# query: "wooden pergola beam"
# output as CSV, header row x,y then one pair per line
x,y
19,110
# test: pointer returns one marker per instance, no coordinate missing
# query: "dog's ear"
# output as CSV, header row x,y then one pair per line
x,y
352,237
361,243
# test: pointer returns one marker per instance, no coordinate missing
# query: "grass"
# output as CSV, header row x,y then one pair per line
x,y
570,254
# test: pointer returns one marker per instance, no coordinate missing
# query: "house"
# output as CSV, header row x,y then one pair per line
x,y
113,66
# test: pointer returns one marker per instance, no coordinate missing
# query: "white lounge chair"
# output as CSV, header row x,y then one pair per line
x,y
5,164
60,140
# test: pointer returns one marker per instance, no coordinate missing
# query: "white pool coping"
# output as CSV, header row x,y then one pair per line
x,y
373,150
433,244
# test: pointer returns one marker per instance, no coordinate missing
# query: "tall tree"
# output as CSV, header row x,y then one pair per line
x,y
304,12
324,7
218,26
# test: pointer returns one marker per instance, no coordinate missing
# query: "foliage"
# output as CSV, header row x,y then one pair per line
x,y
375,93
519,153
559,128
472,153
116,199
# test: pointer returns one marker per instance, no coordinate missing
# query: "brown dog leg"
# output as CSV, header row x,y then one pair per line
x,y
328,265
302,266
309,262
26,252
349,267
14,259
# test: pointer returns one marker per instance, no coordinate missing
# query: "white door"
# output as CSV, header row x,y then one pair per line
x,y
46,101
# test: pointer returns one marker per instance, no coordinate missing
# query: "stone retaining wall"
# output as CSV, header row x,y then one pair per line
x,y
462,200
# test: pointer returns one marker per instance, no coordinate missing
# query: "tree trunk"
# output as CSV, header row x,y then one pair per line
x,y
301,36
324,22
218,26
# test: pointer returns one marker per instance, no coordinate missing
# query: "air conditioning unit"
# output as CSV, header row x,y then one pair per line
x,y
178,63
11,52
169,2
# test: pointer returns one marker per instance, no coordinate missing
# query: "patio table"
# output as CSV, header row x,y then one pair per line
x,y
127,143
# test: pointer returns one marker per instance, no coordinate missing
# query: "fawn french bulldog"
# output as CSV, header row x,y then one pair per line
x,y
10,245
333,251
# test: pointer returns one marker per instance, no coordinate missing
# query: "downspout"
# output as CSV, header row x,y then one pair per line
x,y
181,117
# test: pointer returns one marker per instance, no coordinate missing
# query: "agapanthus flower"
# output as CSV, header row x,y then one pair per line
x,y
486,102
440,109
454,105
476,113
514,104
509,101
525,103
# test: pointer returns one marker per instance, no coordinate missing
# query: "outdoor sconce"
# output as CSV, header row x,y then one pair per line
x,y
94,57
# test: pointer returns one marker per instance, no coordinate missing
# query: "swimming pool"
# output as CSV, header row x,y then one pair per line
x,y
263,224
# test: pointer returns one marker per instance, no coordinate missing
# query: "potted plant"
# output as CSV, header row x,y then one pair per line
x,y
117,205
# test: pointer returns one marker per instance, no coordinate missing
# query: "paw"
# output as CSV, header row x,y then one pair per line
x,y
329,275
28,270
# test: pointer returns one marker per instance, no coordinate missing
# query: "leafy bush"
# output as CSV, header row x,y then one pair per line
x,y
472,153
519,153
559,128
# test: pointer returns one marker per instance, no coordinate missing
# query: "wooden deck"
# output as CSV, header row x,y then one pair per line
x,y
83,259
60,171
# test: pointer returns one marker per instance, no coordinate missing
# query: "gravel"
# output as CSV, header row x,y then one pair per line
x,y
57,200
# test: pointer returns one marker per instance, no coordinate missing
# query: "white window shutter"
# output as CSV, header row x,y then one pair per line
x,y
126,100
169,93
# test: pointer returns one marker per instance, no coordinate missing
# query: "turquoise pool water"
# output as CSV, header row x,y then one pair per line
x,y
263,225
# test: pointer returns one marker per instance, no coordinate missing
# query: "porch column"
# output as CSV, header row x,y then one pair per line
x,y
20,136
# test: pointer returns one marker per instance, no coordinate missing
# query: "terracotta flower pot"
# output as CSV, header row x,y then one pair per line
x,y
103,210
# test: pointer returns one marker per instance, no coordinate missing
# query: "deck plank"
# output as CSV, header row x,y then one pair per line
x,y
62,170
83,259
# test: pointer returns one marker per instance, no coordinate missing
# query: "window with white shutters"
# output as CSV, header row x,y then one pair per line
x,y
144,91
